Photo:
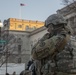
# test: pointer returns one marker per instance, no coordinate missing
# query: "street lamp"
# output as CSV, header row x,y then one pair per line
x,y
1,25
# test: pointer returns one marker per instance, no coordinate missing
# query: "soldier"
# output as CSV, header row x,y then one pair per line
x,y
14,73
49,53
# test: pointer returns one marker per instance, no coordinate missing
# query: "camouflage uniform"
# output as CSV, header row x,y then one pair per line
x,y
49,52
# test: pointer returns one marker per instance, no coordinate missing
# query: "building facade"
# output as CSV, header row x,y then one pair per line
x,y
20,45
22,25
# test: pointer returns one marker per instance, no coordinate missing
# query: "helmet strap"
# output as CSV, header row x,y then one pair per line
x,y
56,28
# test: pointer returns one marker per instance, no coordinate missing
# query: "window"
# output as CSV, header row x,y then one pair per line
x,y
19,26
27,27
19,41
19,60
34,27
19,49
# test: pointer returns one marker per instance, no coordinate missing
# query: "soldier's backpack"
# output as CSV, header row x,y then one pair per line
x,y
65,61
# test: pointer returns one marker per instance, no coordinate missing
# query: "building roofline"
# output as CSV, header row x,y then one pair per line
x,y
19,31
37,30
67,6
32,32
27,20
71,8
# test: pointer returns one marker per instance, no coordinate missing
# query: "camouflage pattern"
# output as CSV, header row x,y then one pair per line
x,y
47,47
65,63
53,53
55,19
28,72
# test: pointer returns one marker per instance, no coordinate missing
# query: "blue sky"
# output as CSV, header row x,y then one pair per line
x,y
34,9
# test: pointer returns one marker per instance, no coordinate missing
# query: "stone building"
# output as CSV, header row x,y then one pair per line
x,y
22,25
20,44
16,32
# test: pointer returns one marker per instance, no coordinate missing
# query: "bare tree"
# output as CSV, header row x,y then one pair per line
x,y
67,2
71,4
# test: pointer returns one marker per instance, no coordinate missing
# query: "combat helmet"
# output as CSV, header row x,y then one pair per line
x,y
55,19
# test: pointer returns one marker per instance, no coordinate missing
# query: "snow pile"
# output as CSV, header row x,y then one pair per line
x,y
11,68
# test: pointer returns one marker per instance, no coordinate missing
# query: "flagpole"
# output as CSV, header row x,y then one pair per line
x,y
20,13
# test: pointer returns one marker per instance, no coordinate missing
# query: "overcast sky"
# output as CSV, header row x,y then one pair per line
x,y
33,9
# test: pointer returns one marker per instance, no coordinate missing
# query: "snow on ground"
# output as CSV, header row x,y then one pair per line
x,y
11,68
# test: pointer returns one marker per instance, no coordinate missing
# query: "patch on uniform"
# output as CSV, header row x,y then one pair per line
x,y
41,44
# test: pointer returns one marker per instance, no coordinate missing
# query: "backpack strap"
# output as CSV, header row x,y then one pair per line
x,y
60,45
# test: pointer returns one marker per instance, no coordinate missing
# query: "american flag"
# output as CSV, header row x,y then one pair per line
x,y
21,4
